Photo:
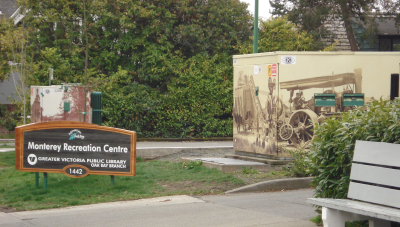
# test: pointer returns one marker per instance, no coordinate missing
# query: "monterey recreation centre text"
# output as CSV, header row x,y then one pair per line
x,y
85,148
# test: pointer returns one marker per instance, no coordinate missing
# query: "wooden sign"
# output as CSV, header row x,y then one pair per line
x,y
76,149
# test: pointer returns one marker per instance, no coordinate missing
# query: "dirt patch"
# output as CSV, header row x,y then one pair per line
x,y
7,209
249,176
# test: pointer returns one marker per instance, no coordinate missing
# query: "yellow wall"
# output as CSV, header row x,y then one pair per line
x,y
376,69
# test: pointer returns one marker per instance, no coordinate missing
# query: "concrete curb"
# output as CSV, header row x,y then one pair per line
x,y
287,184
271,162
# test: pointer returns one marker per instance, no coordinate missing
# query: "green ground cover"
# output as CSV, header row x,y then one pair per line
x,y
153,178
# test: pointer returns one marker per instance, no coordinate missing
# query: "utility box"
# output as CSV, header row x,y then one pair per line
x,y
353,99
60,103
278,97
324,100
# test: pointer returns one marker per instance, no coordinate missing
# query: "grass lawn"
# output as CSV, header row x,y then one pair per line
x,y
153,179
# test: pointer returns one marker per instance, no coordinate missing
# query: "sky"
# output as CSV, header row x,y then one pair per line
x,y
263,8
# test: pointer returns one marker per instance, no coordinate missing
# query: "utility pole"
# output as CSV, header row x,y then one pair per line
x,y
86,58
255,41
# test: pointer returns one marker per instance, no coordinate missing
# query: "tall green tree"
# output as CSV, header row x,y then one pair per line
x,y
312,15
164,41
144,37
279,34
135,51
64,31
16,60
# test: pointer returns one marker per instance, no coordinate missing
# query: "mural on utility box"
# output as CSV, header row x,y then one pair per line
x,y
256,109
268,112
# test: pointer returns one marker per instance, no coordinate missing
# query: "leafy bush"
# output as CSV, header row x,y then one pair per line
x,y
300,165
131,106
199,101
332,149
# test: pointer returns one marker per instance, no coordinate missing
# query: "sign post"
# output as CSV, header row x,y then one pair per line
x,y
76,149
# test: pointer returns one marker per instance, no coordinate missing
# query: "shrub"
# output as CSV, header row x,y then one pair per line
x,y
199,101
300,165
332,150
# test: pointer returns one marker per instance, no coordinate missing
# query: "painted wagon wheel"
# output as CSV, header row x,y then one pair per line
x,y
303,122
286,131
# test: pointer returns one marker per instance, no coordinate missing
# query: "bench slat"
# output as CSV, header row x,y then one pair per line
x,y
377,153
361,208
374,194
375,175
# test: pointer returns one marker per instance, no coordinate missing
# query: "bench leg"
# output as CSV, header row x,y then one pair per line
x,y
379,223
337,218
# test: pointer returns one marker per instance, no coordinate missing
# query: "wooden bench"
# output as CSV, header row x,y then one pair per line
x,y
374,190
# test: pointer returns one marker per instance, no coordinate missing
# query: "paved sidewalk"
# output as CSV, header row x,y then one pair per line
x,y
274,209
7,149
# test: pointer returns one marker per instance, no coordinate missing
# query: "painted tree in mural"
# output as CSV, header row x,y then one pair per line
x,y
312,15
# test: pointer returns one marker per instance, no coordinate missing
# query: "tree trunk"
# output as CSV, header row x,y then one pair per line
x,y
347,23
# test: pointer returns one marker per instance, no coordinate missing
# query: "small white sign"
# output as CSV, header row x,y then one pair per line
x,y
234,61
47,91
257,69
288,60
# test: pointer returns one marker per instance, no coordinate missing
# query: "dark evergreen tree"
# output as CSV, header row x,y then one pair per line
x,y
141,53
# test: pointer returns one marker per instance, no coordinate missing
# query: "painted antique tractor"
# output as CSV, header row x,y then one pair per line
x,y
294,122
297,125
